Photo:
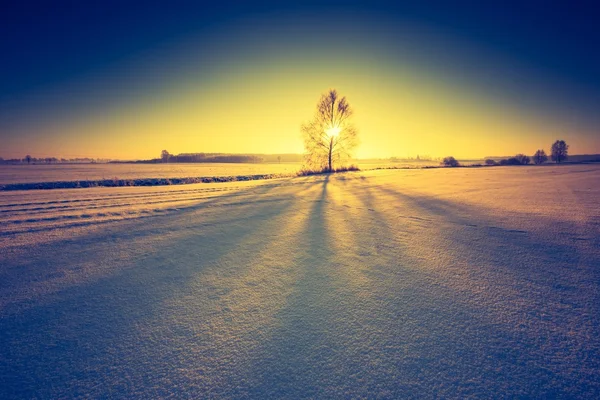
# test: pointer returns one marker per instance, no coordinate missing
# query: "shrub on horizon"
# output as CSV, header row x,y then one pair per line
x,y
450,162
326,170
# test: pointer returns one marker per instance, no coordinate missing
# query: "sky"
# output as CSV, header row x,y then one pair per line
x,y
125,80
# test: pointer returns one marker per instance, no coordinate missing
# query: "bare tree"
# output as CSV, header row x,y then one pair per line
x,y
164,155
28,159
560,151
330,138
540,157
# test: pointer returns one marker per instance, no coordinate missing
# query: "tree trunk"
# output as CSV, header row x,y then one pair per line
x,y
330,150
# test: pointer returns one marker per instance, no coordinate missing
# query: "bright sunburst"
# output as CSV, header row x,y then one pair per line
x,y
333,131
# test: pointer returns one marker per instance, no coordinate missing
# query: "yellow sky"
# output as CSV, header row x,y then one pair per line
x,y
396,115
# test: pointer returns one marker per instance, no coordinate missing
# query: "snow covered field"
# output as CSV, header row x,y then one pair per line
x,y
37,173
452,283
24,173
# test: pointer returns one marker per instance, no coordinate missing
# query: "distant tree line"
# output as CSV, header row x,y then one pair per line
x,y
424,157
28,159
166,157
559,152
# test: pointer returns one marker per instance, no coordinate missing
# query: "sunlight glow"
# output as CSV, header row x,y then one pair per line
x,y
333,131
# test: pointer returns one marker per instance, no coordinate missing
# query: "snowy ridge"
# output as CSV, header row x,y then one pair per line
x,y
133,182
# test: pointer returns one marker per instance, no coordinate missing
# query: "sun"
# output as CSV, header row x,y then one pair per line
x,y
333,131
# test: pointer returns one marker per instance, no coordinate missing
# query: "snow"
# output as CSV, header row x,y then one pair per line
x,y
34,173
475,282
45,173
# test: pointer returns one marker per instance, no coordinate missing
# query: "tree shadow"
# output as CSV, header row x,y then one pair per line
x,y
287,364
97,329
380,310
346,289
83,245
524,288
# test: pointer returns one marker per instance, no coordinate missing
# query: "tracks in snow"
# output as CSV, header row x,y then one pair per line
x,y
73,209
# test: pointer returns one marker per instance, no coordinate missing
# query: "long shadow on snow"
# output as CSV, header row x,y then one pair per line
x,y
501,244
406,334
440,338
340,333
436,326
80,221
74,247
68,342
540,283
293,362
235,301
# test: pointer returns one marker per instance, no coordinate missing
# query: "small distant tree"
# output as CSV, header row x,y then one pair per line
x,y
540,157
28,159
489,161
279,159
164,155
560,151
522,159
330,137
450,162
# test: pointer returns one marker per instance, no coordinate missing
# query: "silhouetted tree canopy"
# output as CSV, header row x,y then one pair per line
x,y
519,159
523,159
560,151
330,138
540,157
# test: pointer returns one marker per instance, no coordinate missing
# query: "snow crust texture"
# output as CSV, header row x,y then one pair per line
x,y
442,283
